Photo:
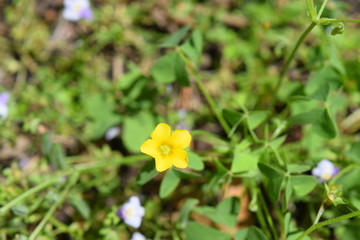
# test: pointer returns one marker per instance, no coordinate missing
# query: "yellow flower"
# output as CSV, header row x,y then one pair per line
x,y
167,148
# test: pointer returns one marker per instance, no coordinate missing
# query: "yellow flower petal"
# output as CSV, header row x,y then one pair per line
x,y
161,133
150,147
179,158
162,163
180,139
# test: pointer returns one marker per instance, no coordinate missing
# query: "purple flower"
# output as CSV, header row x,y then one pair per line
x,y
132,212
77,9
325,170
4,110
137,236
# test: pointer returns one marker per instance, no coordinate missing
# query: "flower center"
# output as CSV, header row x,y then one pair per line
x,y
165,149
326,176
129,212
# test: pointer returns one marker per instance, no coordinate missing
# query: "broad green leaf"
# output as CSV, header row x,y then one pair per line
x,y
325,125
185,211
147,173
197,40
197,231
303,184
307,117
137,129
81,205
190,51
232,116
244,159
224,213
163,70
275,178
297,168
251,233
354,152
276,143
175,38
180,72
325,75
169,183
322,93
256,118
195,161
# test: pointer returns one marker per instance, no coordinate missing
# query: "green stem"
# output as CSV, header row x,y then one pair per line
x,y
322,8
268,216
319,214
48,215
80,168
327,21
204,92
327,222
86,167
292,54
29,192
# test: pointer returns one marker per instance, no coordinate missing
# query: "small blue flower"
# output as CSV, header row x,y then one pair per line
x,y
4,110
77,9
137,236
325,170
132,212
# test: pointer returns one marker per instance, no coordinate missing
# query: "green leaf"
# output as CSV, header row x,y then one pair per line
x,y
195,161
354,152
163,70
175,38
288,191
197,40
275,178
256,118
251,233
190,51
307,117
128,79
297,168
232,116
325,125
244,159
225,212
147,173
180,72
303,184
169,183
276,143
46,144
185,175
81,205
57,156
322,93
20,210
197,231
185,211
137,129
102,113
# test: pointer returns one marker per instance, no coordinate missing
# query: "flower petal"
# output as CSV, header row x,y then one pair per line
x,y
162,163
150,147
161,133
179,158
180,139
